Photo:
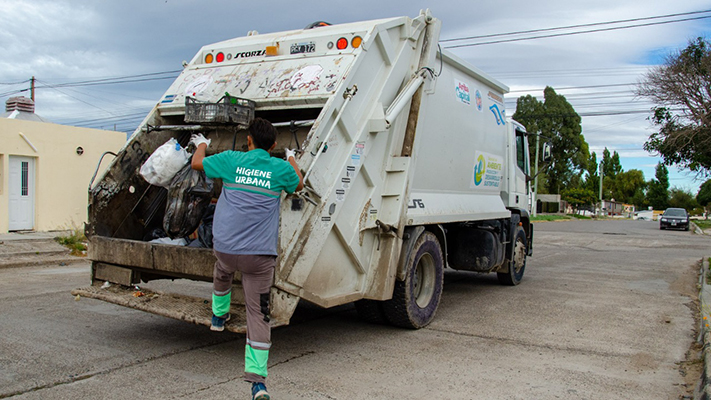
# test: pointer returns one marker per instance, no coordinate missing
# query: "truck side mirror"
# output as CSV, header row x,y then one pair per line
x,y
547,156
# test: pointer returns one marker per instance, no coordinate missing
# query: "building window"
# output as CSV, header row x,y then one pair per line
x,y
25,178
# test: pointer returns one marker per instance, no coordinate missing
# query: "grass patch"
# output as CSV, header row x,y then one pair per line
x,y
550,218
75,241
703,223
576,216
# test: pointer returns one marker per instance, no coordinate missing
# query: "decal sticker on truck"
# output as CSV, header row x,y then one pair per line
x,y
462,91
487,171
498,114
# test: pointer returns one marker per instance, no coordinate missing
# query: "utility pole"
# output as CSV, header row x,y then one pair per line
x,y
535,184
32,88
601,203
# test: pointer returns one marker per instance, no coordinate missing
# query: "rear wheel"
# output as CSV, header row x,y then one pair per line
x,y
415,300
517,265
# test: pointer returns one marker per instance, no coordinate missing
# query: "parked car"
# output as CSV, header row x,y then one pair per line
x,y
644,215
676,218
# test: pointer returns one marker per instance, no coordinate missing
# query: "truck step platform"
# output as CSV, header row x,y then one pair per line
x,y
185,308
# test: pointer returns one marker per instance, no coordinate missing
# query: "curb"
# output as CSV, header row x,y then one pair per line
x,y
697,230
703,390
59,261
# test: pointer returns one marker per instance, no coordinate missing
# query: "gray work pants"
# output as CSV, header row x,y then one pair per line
x,y
257,277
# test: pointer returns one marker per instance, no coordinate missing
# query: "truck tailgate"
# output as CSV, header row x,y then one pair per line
x,y
182,307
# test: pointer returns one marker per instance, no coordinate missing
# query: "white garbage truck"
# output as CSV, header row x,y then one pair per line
x,y
409,161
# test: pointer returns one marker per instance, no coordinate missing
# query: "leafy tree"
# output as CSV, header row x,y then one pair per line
x,y
704,195
680,198
556,119
627,184
611,167
611,163
658,193
639,199
681,90
579,197
592,179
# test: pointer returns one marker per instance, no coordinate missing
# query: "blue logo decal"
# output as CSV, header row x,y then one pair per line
x,y
500,120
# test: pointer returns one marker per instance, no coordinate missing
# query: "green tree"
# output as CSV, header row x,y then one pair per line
x,y
579,197
680,198
639,199
611,167
681,92
556,119
628,184
592,179
658,193
611,163
704,195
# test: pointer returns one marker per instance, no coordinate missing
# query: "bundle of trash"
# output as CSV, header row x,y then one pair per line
x,y
160,168
189,196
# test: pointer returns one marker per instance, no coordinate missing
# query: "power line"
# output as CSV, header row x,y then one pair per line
x,y
621,21
77,99
14,83
576,87
118,79
575,33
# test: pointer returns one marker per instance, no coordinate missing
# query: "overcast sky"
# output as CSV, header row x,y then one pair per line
x,y
71,41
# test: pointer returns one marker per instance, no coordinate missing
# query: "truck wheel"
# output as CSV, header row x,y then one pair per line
x,y
415,300
371,311
513,276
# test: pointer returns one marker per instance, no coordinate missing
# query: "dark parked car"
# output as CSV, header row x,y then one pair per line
x,y
676,218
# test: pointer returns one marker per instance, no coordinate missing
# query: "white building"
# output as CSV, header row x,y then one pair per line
x,y
45,169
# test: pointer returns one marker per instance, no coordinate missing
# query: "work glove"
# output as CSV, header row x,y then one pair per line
x,y
290,153
198,139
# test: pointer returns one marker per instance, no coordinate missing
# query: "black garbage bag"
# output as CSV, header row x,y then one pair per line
x,y
189,195
204,231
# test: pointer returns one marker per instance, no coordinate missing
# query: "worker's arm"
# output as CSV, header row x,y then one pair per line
x,y
294,165
200,147
198,156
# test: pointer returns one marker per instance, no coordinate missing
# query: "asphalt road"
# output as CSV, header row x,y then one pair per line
x,y
606,311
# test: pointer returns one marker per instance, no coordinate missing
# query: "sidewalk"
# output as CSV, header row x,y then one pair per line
x,y
20,249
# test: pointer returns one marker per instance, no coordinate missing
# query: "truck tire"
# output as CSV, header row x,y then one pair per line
x,y
371,311
415,300
517,265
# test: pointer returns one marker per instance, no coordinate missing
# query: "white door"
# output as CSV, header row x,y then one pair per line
x,y
22,193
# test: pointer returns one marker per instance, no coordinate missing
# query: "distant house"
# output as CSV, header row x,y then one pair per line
x,y
613,208
45,169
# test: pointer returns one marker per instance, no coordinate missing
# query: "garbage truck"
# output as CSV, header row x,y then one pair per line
x,y
409,162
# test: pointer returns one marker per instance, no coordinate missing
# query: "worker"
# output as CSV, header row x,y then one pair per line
x,y
245,233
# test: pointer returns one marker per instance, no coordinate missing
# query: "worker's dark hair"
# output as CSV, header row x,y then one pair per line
x,y
263,133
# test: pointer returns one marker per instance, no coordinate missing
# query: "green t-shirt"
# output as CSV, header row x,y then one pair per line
x,y
247,213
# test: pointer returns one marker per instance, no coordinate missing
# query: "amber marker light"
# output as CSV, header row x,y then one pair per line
x,y
342,43
356,42
272,50
208,58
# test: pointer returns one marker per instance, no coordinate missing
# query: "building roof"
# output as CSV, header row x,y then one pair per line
x,y
21,108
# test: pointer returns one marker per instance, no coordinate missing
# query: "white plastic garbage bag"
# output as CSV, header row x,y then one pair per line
x,y
164,163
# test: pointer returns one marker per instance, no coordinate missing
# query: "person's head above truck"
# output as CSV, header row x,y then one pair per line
x,y
262,135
